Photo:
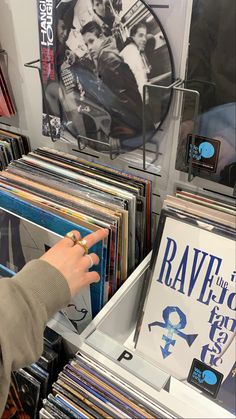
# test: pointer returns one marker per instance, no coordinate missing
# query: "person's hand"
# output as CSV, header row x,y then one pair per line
x,y
70,259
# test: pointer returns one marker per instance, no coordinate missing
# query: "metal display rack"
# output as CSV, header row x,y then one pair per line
x,y
176,86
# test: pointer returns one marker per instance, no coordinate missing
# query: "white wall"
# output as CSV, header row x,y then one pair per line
x,y
19,37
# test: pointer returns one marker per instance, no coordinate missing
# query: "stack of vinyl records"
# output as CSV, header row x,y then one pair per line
x,y
190,295
12,147
85,389
60,192
203,207
30,385
7,107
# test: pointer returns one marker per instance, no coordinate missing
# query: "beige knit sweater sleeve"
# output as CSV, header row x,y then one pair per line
x,y
27,301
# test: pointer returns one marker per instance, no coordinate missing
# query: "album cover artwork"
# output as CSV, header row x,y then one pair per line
x,y
22,241
60,226
111,382
85,46
190,302
29,392
41,376
204,152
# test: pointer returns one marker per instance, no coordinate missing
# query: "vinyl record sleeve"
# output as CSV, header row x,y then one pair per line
x,y
4,156
104,375
63,197
13,140
44,414
192,270
70,211
206,197
8,149
59,226
206,202
2,160
62,407
41,378
75,393
54,411
104,391
77,410
58,389
20,168
13,144
141,187
49,362
103,401
129,405
202,219
227,220
24,138
22,241
85,395
143,232
99,185
29,392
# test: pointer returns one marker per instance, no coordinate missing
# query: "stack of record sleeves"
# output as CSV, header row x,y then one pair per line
x,y
59,192
85,389
12,146
30,385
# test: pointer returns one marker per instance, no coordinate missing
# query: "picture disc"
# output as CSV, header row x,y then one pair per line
x,y
104,52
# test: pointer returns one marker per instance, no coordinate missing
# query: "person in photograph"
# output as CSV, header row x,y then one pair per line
x,y
133,54
65,17
119,89
106,12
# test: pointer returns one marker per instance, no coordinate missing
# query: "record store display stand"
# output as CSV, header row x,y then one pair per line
x,y
107,343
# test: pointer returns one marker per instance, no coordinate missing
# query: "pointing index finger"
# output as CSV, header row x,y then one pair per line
x,y
96,237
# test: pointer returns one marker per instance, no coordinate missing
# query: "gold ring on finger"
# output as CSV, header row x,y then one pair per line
x,y
72,236
83,243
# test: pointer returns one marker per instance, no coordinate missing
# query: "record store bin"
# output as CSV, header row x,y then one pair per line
x,y
109,340
109,337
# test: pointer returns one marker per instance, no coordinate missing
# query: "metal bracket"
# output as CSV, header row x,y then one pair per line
x,y
31,64
175,86
113,154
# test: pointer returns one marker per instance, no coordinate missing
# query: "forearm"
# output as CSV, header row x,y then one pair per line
x,y
27,302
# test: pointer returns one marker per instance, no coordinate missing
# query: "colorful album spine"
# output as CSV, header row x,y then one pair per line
x,y
48,42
